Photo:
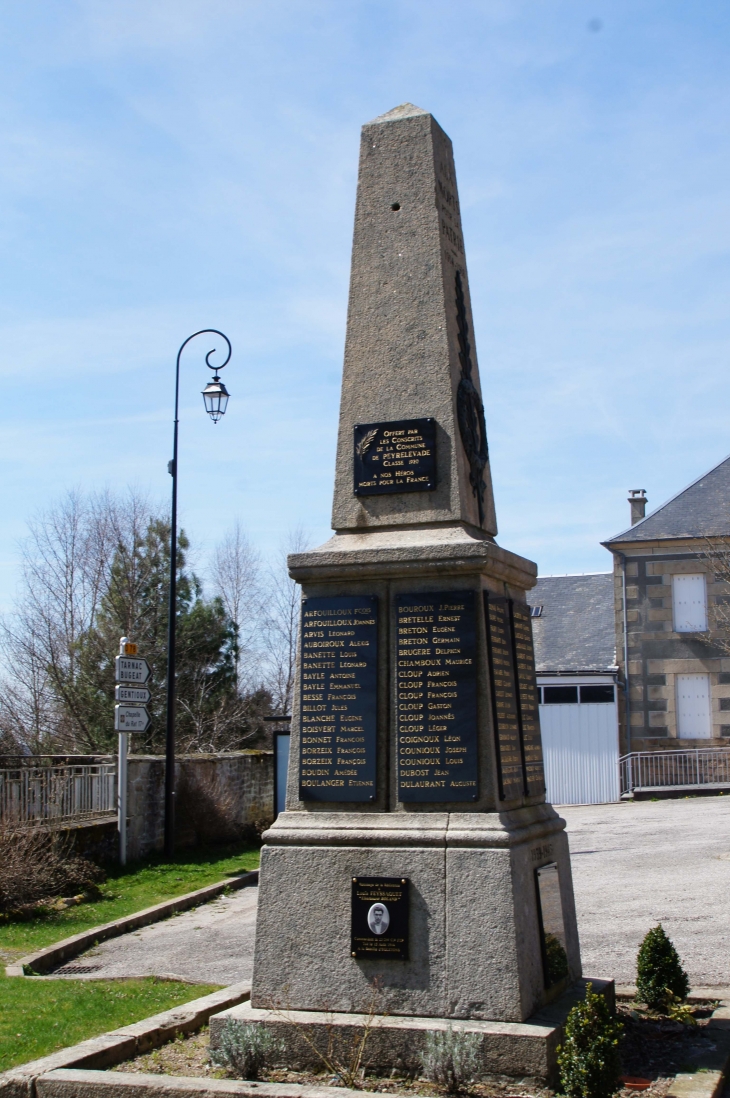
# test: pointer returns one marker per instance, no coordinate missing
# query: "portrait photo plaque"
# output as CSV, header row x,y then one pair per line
x,y
395,457
380,917
338,741
436,696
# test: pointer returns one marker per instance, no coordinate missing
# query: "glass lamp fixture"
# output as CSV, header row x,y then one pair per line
x,y
215,396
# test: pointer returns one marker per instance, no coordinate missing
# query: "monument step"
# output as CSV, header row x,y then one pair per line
x,y
518,1049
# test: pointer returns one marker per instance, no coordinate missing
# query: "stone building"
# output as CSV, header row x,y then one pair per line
x,y
669,599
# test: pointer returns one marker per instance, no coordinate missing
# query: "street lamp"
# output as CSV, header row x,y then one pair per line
x,y
215,397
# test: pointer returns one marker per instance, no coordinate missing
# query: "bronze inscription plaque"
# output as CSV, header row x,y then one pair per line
x,y
436,696
395,457
337,756
379,927
527,693
504,697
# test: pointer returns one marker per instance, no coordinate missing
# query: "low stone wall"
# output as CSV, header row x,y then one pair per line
x,y
218,798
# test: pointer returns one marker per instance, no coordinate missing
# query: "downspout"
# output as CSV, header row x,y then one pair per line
x,y
626,655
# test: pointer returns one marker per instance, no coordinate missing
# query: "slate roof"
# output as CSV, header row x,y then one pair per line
x,y
576,630
701,510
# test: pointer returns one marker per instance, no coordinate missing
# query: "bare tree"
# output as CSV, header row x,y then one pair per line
x,y
95,567
280,630
63,579
236,580
717,555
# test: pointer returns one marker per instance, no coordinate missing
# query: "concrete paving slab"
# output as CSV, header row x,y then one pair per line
x,y
636,864
213,944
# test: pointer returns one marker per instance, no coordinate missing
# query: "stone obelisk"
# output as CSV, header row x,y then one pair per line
x,y
416,846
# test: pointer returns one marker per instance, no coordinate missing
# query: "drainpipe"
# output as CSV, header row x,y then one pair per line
x,y
626,655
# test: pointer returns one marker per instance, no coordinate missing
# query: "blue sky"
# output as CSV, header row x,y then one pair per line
x,y
169,165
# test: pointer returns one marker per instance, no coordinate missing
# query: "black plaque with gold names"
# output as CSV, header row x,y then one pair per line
x,y
379,928
436,696
510,762
338,741
527,692
399,456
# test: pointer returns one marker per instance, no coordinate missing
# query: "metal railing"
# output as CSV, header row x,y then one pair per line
x,y
692,768
31,792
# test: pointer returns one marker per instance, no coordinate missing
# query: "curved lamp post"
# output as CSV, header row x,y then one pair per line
x,y
215,397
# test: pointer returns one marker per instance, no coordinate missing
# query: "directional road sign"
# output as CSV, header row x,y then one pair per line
x,y
131,718
134,695
129,670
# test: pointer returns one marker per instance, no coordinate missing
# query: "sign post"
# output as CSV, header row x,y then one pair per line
x,y
130,715
122,796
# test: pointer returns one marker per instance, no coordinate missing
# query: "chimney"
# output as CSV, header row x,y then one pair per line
x,y
638,502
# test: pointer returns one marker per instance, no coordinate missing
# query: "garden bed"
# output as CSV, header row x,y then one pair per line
x,y
653,1051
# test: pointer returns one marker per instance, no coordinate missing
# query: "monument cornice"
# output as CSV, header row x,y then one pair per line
x,y
411,551
447,830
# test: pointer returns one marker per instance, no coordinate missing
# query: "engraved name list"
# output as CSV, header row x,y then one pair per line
x,y
436,701
337,758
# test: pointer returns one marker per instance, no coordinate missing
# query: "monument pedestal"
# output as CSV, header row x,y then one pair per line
x,y
476,937
475,948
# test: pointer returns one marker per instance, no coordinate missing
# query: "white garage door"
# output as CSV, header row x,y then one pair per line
x,y
580,745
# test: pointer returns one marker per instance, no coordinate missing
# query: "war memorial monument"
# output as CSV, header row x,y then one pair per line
x,y
416,854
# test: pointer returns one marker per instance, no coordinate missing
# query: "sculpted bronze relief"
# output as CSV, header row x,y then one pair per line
x,y
469,408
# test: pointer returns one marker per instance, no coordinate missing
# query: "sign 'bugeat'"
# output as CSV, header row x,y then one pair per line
x,y
131,670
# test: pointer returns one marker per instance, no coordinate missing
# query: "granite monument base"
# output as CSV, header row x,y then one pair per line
x,y
507,1048
476,942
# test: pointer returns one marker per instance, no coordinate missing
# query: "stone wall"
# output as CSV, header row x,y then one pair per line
x,y
218,798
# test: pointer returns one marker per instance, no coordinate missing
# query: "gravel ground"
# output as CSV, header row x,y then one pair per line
x,y
639,863
212,944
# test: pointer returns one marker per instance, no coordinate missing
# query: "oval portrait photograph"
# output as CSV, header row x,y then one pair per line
x,y
378,918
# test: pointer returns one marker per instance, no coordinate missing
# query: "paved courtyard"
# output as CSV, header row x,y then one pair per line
x,y
636,864
211,944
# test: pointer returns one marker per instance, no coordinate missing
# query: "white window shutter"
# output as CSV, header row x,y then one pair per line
x,y
689,600
694,719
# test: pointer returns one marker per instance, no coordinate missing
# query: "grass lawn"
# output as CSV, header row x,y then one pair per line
x,y
38,1017
126,890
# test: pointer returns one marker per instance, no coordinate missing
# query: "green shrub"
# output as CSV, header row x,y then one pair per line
x,y
450,1058
659,972
588,1058
245,1049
